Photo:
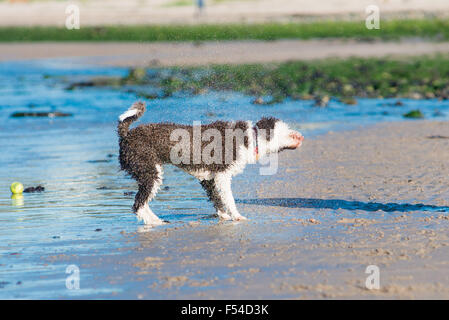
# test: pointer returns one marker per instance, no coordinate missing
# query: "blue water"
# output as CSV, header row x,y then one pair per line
x,y
84,208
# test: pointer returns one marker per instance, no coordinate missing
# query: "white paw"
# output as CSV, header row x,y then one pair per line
x,y
239,218
150,221
223,215
148,217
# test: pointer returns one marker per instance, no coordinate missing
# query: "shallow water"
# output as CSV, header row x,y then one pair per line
x,y
84,209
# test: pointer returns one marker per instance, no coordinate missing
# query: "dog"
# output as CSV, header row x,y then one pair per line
x,y
146,148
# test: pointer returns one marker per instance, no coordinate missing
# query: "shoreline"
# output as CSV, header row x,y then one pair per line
x,y
211,52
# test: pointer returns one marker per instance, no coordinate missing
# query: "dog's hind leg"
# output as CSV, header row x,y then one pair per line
x,y
214,197
223,186
149,183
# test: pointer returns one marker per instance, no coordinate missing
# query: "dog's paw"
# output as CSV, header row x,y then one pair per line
x,y
239,218
224,216
152,221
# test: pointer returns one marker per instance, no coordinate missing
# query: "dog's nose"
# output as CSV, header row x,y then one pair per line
x,y
296,136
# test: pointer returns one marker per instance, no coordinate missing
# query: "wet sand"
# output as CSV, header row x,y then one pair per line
x,y
345,200
235,52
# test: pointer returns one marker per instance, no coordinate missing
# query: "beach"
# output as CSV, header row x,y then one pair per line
x,y
212,52
368,189
342,202
116,12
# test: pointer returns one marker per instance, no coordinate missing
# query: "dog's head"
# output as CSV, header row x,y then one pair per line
x,y
275,136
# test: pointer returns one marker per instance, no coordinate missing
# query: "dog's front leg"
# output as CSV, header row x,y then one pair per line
x,y
223,185
214,196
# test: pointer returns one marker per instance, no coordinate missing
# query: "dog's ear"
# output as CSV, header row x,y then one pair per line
x,y
267,124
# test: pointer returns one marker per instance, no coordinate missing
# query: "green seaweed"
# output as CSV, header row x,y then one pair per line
x,y
437,29
414,114
319,80
411,78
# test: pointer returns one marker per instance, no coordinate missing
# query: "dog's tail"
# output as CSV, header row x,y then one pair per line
x,y
129,116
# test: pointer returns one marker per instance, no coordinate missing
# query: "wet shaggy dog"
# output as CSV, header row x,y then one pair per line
x,y
144,149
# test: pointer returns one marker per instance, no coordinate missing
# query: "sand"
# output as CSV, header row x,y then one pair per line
x,y
344,201
112,12
187,53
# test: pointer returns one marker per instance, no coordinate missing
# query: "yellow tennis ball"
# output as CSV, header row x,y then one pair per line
x,y
16,187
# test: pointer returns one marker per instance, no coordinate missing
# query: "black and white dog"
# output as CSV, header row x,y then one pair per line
x,y
144,149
